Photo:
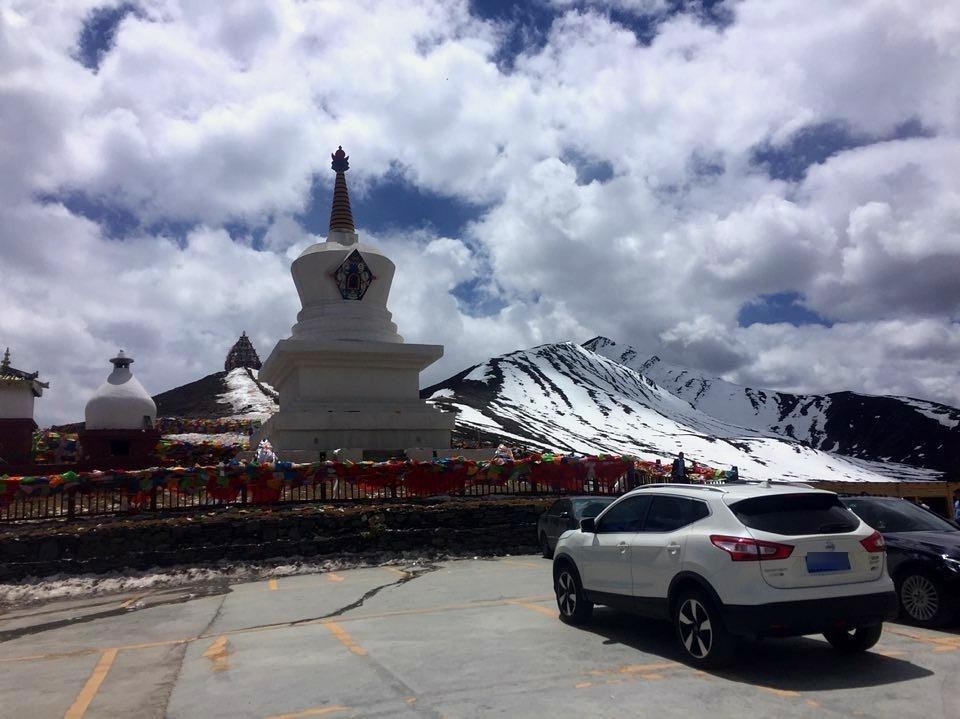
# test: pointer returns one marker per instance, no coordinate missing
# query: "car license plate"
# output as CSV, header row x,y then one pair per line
x,y
827,562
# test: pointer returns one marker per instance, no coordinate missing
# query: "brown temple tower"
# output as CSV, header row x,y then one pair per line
x,y
242,354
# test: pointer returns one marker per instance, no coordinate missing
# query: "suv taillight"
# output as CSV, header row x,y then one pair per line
x,y
874,543
747,549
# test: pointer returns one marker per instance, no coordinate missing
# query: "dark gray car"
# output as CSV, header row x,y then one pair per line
x,y
565,514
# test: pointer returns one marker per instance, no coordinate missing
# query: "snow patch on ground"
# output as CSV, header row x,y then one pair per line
x,y
223,438
481,373
946,416
474,418
245,398
70,587
896,472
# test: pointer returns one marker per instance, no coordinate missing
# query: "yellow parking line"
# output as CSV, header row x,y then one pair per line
x,y
52,655
90,689
133,600
478,604
218,653
941,644
333,577
345,638
516,563
314,712
536,607
639,669
272,585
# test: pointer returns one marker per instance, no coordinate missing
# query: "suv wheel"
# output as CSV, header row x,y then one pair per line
x,y
573,604
703,638
921,600
545,546
850,641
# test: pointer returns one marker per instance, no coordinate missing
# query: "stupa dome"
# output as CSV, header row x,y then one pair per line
x,y
121,402
343,284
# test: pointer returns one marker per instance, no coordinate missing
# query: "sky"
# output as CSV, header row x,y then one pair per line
x,y
764,190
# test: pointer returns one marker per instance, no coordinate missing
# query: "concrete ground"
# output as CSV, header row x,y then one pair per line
x,y
460,639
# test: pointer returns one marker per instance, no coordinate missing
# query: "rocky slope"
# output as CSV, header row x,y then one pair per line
x,y
896,429
567,397
237,394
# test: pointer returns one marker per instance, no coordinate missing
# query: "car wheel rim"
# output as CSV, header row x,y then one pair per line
x,y
696,629
567,594
919,597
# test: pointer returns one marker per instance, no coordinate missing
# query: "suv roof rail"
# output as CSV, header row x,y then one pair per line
x,y
707,487
771,482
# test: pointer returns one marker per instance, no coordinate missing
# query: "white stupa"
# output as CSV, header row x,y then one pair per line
x,y
121,402
346,378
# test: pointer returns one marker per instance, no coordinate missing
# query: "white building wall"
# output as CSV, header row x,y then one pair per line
x,y
16,401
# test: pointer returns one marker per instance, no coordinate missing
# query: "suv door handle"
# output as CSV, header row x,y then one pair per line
x,y
673,547
622,547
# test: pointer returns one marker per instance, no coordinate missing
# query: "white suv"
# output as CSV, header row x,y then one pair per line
x,y
737,560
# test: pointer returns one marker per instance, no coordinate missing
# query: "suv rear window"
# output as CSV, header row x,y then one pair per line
x,y
668,514
794,514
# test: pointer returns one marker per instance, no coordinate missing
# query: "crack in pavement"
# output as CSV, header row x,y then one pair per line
x,y
401,688
11,615
169,685
200,592
409,576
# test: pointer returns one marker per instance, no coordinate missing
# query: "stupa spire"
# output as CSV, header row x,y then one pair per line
x,y
121,361
242,354
341,218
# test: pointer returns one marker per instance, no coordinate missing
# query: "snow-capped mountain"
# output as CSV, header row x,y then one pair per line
x,y
567,397
237,394
897,429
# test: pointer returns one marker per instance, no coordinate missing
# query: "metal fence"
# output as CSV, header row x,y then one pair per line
x,y
111,501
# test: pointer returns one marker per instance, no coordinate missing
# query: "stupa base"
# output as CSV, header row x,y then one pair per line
x,y
383,428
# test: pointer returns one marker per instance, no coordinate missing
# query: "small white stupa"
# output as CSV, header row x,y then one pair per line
x,y
346,379
120,415
121,402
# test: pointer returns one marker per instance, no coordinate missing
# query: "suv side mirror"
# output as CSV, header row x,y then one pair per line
x,y
564,515
588,524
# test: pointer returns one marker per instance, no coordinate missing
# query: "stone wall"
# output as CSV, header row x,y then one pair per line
x,y
479,526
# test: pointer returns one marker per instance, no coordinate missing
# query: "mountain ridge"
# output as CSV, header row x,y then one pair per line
x,y
572,398
877,427
566,397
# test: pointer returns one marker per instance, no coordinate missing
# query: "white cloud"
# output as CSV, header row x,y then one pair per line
x,y
209,116
912,358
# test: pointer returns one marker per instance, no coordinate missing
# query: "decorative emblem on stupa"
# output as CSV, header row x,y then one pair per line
x,y
353,277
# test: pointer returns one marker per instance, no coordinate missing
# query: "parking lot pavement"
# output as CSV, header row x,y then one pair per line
x,y
457,639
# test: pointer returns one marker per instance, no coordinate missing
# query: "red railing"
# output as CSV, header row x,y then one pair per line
x,y
178,489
